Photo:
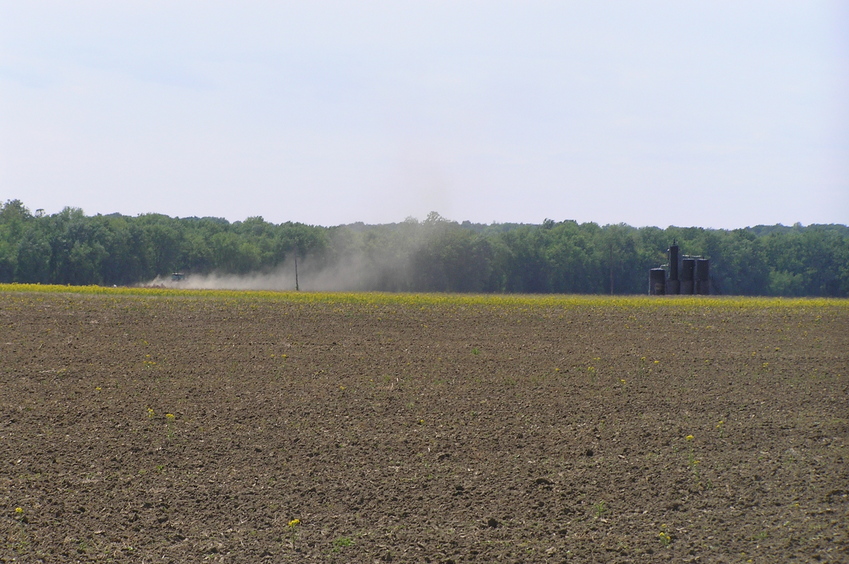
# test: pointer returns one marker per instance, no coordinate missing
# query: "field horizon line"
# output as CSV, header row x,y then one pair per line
x,y
433,298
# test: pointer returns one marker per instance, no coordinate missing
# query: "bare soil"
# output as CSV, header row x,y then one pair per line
x,y
185,429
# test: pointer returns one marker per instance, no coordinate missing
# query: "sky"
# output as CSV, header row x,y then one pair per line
x,y
719,114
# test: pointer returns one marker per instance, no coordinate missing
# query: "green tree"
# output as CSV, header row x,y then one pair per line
x,y
14,217
33,261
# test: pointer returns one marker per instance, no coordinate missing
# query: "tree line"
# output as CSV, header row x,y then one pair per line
x,y
435,255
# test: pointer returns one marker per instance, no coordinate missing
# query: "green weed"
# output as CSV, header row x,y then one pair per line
x,y
600,509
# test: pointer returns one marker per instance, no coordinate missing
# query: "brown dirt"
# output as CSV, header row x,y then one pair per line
x,y
407,434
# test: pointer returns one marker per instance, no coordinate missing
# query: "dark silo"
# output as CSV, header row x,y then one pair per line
x,y
673,286
672,253
657,282
688,268
702,276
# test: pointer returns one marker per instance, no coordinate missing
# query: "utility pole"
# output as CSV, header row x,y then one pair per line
x,y
297,288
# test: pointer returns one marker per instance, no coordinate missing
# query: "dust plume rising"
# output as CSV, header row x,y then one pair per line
x,y
394,258
350,274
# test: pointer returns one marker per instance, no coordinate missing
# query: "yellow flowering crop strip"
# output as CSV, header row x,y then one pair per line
x,y
520,301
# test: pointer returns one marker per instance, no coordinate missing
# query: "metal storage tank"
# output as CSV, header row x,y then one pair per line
x,y
657,281
702,276
673,286
688,267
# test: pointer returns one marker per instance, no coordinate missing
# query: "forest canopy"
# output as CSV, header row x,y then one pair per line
x,y
433,255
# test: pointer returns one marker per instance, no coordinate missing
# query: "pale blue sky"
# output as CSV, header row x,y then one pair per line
x,y
716,114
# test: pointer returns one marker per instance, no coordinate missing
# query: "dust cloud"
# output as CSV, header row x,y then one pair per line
x,y
348,275
393,259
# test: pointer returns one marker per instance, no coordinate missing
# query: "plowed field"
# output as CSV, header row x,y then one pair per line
x,y
138,428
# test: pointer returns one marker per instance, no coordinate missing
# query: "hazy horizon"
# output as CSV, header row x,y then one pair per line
x,y
423,219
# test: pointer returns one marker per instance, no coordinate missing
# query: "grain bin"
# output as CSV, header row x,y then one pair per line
x,y
702,277
673,286
688,268
657,282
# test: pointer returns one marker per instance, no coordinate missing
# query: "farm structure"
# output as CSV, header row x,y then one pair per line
x,y
688,275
